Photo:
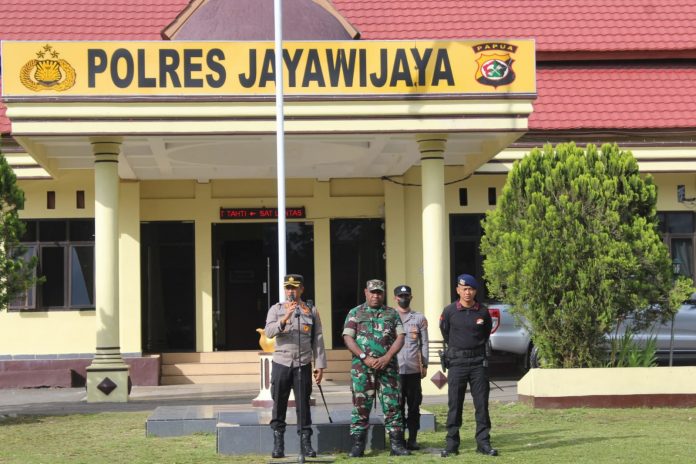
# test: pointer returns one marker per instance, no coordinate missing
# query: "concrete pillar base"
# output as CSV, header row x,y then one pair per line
x,y
107,384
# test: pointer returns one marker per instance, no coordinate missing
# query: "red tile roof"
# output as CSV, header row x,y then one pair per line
x,y
638,96
557,25
87,19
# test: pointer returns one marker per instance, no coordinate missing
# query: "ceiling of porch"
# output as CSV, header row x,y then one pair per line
x,y
210,156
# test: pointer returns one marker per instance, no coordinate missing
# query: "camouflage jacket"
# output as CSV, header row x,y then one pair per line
x,y
374,329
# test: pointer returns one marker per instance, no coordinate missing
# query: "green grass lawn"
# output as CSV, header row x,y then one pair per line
x,y
522,434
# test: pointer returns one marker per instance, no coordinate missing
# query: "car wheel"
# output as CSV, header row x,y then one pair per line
x,y
524,361
534,361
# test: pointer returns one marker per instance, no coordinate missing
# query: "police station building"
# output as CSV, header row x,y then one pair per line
x,y
147,152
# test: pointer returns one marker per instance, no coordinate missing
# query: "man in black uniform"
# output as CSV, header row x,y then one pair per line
x,y
466,327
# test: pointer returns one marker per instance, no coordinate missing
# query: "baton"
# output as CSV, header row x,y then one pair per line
x,y
324,400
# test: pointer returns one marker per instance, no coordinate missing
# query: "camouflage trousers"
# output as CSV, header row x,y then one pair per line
x,y
366,383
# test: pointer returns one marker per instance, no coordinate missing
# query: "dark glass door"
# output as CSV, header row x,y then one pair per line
x,y
465,251
168,287
357,255
245,277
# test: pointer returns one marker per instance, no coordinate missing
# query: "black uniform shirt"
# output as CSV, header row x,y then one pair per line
x,y
465,328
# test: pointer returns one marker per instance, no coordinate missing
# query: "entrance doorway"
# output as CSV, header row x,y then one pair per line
x,y
245,277
357,255
168,294
465,253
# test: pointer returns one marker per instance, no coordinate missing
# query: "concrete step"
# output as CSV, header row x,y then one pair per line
x,y
212,378
211,369
235,367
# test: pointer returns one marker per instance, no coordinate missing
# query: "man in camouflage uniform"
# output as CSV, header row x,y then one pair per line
x,y
374,334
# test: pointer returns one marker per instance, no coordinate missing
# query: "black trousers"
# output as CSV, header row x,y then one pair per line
x,y
463,371
411,398
283,379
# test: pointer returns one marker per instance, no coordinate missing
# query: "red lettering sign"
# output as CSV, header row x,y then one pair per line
x,y
261,213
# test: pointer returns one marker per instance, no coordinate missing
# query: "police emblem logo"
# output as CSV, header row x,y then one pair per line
x,y
47,72
495,69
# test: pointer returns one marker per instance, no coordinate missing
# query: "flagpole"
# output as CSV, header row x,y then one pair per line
x,y
280,142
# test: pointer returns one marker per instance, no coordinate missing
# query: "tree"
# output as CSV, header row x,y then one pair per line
x,y
573,246
16,272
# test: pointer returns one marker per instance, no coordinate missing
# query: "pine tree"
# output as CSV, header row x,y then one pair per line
x,y
573,245
16,272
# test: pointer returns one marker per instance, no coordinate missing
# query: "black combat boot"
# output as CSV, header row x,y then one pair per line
x,y
306,443
278,444
411,444
358,448
398,446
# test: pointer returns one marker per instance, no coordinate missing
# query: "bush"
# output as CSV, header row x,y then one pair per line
x,y
573,246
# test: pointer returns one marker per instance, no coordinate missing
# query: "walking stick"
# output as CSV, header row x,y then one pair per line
x,y
496,385
324,400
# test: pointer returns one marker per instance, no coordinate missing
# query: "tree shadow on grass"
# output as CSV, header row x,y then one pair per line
x,y
13,419
550,439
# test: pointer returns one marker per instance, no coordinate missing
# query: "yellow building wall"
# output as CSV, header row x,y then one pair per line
x,y
667,190
74,331
409,268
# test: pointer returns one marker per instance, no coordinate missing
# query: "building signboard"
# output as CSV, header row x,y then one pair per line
x,y
347,69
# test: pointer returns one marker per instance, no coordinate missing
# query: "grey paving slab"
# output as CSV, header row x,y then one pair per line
x,y
53,401
244,433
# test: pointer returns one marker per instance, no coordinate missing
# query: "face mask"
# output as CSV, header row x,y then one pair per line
x,y
403,302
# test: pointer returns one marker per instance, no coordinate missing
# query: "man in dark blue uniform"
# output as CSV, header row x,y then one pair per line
x,y
466,327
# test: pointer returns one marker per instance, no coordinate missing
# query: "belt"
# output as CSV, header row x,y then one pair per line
x,y
454,353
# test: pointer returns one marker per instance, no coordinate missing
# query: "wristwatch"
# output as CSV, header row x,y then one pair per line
x,y
362,356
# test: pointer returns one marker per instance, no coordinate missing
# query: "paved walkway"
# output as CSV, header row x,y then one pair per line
x,y
52,401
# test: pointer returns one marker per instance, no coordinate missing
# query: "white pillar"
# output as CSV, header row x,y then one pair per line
x,y
107,376
432,149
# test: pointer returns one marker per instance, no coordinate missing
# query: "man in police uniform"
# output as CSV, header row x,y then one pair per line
x,y
292,365
374,334
466,327
413,362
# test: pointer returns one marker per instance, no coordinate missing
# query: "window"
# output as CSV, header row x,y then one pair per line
x,y
28,298
677,230
65,249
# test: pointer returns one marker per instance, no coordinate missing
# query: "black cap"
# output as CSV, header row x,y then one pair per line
x,y
293,280
402,290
